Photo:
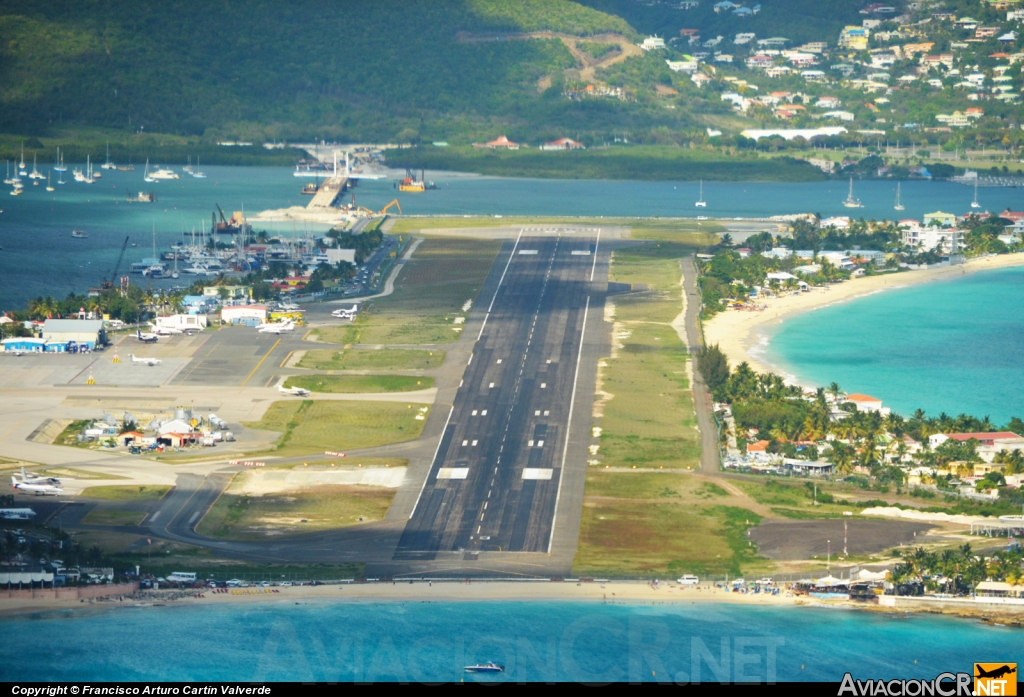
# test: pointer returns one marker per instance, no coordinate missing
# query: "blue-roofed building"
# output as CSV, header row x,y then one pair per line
x,y
199,304
24,344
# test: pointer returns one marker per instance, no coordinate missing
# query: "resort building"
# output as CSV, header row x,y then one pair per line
x,y
653,43
927,238
499,142
993,438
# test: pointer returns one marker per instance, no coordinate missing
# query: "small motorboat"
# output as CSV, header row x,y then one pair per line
x,y
489,667
79,234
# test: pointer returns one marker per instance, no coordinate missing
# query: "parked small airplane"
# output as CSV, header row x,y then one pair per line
x,y
346,314
294,391
36,487
165,331
147,337
34,478
276,327
144,361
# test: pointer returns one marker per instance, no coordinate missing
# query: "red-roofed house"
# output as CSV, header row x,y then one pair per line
x,y
563,144
499,142
993,438
1012,216
758,450
864,402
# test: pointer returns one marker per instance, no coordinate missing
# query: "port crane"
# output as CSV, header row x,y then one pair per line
x,y
108,284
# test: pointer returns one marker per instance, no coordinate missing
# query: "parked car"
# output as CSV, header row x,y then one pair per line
x,y
688,580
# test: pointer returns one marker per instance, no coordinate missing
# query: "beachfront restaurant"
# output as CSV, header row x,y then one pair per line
x,y
999,589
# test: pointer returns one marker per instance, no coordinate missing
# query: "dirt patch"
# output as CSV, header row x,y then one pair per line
x,y
805,539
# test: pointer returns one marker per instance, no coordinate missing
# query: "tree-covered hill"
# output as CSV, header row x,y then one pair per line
x,y
261,70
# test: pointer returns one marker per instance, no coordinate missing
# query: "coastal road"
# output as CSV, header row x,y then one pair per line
x,y
498,476
709,461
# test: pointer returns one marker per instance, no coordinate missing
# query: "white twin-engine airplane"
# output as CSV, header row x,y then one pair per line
x,y
294,391
346,314
165,331
144,361
34,484
276,327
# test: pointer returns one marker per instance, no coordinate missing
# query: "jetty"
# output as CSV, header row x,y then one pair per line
x,y
329,191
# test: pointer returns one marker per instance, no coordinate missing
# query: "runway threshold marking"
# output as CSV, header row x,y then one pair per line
x,y
265,357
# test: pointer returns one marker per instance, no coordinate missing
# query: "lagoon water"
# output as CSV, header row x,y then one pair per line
x,y
951,346
39,257
325,641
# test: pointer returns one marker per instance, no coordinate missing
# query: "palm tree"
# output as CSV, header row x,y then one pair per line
x,y
842,458
834,390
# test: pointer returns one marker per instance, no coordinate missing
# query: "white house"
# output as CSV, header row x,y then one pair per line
x,y
866,402
926,238
653,43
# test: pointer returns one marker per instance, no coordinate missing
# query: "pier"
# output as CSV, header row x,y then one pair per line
x,y
329,192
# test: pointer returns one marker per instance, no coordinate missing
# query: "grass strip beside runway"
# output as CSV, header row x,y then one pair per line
x,y
126,493
360,384
309,427
371,359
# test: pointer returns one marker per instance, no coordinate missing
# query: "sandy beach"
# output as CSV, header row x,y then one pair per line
x,y
737,332
423,591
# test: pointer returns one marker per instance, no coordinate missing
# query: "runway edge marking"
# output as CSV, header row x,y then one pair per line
x,y
432,461
572,400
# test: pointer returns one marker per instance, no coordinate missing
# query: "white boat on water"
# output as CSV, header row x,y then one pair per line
x,y
146,176
165,174
79,234
9,180
108,164
899,205
850,201
974,203
701,203
49,186
197,173
21,165
88,178
35,174
60,166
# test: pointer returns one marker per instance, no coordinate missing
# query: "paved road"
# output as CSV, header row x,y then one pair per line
x,y
496,476
709,461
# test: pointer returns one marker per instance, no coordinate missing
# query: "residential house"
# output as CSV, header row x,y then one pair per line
x,y
987,32
989,438
744,38
759,61
700,79
813,75
653,43
864,402
563,144
954,120
499,142
828,103
854,37
758,451
689,65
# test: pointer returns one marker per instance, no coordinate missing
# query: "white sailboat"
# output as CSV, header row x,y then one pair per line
x,y
899,206
850,201
60,166
108,164
88,178
701,203
49,186
145,176
21,166
35,170
8,179
60,176
197,173
974,203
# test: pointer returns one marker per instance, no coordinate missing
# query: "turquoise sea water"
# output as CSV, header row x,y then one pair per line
x,y
951,346
38,256
326,641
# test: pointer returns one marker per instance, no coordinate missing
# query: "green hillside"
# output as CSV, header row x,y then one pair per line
x,y
248,69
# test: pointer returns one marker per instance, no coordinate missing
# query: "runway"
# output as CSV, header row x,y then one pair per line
x,y
496,478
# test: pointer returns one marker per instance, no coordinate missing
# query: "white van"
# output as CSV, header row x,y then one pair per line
x,y
182,577
688,580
